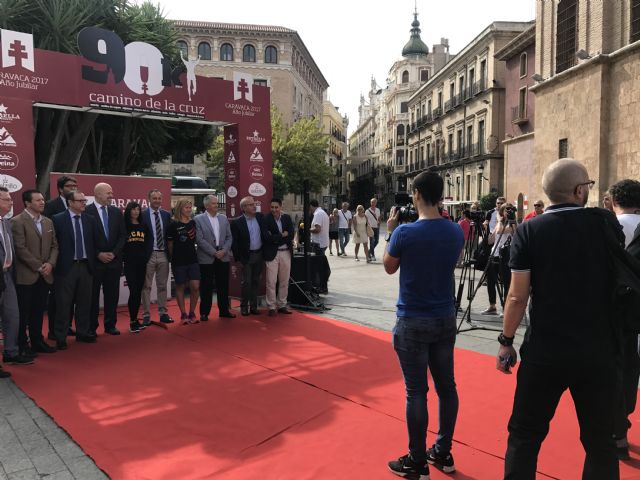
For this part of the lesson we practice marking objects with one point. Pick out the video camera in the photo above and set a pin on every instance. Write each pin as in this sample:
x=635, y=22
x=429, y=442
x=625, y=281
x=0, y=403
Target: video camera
x=510, y=213
x=407, y=213
x=478, y=217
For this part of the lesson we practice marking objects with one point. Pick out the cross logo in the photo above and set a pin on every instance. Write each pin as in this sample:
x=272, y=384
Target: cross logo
x=17, y=49
x=243, y=86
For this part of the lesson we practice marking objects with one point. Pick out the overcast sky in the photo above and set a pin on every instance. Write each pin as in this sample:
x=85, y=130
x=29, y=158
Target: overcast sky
x=351, y=40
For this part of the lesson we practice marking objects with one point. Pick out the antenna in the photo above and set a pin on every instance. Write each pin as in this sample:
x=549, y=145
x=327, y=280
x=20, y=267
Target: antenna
x=415, y=3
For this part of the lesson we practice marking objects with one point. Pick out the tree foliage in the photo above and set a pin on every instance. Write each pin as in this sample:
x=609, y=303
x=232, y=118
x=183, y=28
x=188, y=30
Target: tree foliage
x=488, y=201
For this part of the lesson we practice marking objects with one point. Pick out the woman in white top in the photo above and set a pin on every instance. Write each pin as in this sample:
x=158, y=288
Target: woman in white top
x=359, y=225
x=501, y=235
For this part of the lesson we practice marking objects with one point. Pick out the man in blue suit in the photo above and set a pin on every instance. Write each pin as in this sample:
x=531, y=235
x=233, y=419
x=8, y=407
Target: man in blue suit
x=157, y=221
x=77, y=235
x=213, y=236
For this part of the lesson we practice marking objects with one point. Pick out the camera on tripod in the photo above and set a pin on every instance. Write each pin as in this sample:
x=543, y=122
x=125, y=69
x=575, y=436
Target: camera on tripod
x=407, y=212
x=477, y=216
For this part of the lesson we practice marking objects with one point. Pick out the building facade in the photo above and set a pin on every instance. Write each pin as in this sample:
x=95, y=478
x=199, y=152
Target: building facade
x=587, y=98
x=457, y=119
x=334, y=126
x=519, y=58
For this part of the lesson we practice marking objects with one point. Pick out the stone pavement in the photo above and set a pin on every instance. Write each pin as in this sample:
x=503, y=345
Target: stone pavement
x=32, y=446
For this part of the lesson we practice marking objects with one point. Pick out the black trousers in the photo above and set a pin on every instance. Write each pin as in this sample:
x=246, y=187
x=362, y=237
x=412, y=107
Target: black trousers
x=628, y=376
x=76, y=284
x=593, y=387
x=251, y=272
x=135, y=271
x=32, y=301
x=214, y=275
x=106, y=277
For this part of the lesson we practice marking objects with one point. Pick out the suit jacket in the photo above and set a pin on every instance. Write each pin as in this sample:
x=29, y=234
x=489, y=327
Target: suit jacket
x=165, y=217
x=206, y=239
x=66, y=241
x=117, y=233
x=272, y=238
x=241, y=239
x=32, y=248
x=53, y=207
x=12, y=269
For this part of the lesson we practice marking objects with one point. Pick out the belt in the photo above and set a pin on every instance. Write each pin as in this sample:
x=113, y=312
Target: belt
x=159, y=251
x=83, y=260
x=281, y=249
x=255, y=251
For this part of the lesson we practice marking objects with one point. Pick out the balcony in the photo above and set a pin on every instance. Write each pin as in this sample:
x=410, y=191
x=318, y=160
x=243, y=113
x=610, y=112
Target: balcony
x=437, y=112
x=448, y=106
x=519, y=115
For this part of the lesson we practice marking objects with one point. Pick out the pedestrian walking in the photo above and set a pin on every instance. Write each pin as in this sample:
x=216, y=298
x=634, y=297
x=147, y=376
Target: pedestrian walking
x=361, y=233
x=334, y=233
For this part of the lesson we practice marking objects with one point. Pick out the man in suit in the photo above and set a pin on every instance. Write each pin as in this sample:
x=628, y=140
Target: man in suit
x=8, y=298
x=277, y=250
x=247, y=249
x=36, y=249
x=157, y=221
x=213, y=236
x=77, y=235
x=111, y=239
x=65, y=184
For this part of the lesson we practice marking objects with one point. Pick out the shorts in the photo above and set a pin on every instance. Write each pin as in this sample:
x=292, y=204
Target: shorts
x=185, y=273
x=333, y=235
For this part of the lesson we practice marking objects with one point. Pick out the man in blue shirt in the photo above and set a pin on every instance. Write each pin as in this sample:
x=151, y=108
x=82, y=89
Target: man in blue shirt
x=426, y=252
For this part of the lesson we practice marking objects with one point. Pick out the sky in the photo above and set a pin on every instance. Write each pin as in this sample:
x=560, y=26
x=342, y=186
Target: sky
x=353, y=40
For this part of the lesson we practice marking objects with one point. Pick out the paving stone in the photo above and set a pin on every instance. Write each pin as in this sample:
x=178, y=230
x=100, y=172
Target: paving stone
x=68, y=449
x=64, y=475
x=84, y=468
x=48, y=464
x=28, y=474
x=17, y=464
x=38, y=447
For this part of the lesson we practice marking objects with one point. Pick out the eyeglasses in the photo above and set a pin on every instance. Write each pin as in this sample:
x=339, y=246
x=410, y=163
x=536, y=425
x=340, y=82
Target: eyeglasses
x=591, y=183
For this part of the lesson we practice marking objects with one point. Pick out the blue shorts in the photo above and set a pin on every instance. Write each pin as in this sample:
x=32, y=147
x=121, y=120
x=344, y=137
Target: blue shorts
x=184, y=273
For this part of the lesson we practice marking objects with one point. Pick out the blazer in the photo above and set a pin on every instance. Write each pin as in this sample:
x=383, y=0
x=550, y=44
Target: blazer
x=32, y=248
x=165, y=217
x=54, y=206
x=272, y=238
x=12, y=269
x=66, y=241
x=241, y=239
x=117, y=232
x=206, y=240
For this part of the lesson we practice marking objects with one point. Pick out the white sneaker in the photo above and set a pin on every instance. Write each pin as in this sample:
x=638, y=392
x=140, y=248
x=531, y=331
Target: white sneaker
x=489, y=311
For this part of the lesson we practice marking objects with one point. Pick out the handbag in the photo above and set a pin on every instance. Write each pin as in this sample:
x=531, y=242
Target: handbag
x=369, y=229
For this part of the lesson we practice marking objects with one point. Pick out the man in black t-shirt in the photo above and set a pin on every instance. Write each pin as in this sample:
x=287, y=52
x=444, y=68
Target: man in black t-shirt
x=561, y=258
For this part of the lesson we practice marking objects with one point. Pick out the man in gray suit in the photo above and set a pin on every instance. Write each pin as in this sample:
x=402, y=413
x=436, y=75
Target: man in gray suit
x=9, y=300
x=213, y=236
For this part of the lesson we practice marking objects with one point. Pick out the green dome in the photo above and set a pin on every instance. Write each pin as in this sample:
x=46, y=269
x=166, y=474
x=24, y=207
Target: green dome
x=415, y=45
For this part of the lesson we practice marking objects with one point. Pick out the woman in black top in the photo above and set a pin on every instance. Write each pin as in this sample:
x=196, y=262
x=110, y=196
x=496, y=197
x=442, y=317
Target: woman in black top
x=181, y=241
x=135, y=257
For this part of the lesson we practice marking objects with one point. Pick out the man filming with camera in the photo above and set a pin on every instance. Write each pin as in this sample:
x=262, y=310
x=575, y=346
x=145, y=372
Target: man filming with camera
x=425, y=252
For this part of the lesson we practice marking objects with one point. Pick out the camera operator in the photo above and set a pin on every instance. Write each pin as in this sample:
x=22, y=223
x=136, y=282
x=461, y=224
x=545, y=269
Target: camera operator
x=505, y=223
x=424, y=335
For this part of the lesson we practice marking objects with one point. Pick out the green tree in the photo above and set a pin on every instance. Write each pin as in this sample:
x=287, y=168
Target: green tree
x=488, y=201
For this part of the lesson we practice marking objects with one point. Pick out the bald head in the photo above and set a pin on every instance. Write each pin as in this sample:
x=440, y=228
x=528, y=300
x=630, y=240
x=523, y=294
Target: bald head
x=561, y=178
x=103, y=193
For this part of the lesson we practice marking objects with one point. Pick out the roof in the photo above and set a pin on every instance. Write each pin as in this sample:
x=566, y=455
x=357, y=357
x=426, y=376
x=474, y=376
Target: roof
x=415, y=45
x=515, y=46
x=232, y=26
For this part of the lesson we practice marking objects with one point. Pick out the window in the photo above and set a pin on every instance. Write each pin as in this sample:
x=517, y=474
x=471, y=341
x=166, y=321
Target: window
x=467, y=188
x=522, y=105
x=635, y=20
x=249, y=53
x=461, y=86
x=183, y=47
x=481, y=137
x=440, y=100
x=262, y=83
x=469, y=140
x=523, y=65
x=450, y=144
x=479, y=184
x=460, y=143
x=424, y=75
x=566, y=35
x=472, y=80
x=226, y=52
x=405, y=77
x=563, y=148
x=452, y=91
x=483, y=75
x=204, y=51
x=271, y=54
x=404, y=108
x=429, y=107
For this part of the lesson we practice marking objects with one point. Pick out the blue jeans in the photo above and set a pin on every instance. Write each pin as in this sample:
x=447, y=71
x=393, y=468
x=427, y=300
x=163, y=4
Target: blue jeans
x=373, y=242
x=421, y=344
x=343, y=235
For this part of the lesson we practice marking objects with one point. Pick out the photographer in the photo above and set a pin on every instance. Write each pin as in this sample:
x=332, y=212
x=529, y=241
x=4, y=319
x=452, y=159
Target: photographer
x=426, y=252
x=505, y=222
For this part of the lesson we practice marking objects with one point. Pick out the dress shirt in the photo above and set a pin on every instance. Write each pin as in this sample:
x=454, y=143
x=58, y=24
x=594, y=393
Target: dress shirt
x=37, y=220
x=215, y=225
x=279, y=224
x=255, y=242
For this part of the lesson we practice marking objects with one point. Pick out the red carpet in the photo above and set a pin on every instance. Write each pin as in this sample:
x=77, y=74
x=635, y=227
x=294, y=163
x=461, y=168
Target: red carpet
x=286, y=397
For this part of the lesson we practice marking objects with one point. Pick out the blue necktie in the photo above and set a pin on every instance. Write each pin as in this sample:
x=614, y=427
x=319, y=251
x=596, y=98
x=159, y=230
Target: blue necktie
x=105, y=222
x=79, y=243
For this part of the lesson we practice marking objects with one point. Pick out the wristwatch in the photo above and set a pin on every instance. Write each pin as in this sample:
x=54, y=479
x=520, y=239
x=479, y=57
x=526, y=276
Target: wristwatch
x=505, y=341
x=387, y=237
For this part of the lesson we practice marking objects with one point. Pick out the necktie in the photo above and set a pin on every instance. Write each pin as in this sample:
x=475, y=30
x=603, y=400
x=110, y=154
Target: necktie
x=105, y=222
x=8, y=258
x=159, y=239
x=78, y=235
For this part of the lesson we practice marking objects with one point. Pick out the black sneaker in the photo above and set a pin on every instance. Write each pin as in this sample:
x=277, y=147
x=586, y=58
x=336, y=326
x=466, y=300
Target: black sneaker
x=134, y=327
x=405, y=467
x=146, y=321
x=17, y=360
x=441, y=462
x=165, y=318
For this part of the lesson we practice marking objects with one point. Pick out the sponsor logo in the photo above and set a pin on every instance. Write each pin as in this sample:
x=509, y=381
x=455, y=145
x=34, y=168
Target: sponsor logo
x=6, y=140
x=257, y=189
x=232, y=174
x=8, y=160
x=231, y=158
x=256, y=156
x=230, y=140
x=256, y=171
x=232, y=209
x=10, y=183
x=7, y=117
x=256, y=139
x=17, y=50
x=232, y=192
x=242, y=86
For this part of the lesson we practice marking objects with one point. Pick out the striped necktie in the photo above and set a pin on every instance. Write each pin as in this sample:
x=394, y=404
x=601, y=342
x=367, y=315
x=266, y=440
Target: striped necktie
x=159, y=239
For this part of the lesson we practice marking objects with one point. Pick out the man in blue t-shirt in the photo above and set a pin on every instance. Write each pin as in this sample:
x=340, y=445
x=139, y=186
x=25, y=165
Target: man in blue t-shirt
x=426, y=252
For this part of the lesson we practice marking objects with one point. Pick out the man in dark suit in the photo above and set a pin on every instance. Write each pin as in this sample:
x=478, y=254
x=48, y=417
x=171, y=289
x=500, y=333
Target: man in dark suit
x=247, y=249
x=77, y=235
x=277, y=250
x=157, y=221
x=111, y=239
x=65, y=184
x=213, y=236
